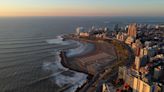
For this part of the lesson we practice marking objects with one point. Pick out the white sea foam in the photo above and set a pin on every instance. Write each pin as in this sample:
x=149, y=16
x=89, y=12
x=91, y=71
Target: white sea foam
x=76, y=51
x=59, y=40
x=72, y=78
x=80, y=80
x=55, y=66
x=76, y=80
x=82, y=48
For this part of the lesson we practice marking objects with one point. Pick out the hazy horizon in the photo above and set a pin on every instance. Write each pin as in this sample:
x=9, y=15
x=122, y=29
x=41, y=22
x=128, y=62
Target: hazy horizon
x=134, y=8
x=88, y=16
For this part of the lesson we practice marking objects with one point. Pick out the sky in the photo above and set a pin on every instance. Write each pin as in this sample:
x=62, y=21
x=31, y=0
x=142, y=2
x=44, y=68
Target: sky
x=82, y=8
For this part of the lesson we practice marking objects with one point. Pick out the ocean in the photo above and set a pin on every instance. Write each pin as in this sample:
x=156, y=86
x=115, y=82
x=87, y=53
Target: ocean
x=29, y=59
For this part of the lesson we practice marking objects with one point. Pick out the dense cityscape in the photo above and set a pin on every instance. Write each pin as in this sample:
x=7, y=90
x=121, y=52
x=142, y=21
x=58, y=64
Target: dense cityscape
x=81, y=45
x=143, y=73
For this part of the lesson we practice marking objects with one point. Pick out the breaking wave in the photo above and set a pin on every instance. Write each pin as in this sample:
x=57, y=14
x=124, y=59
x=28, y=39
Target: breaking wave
x=82, y=49
x=63, y=77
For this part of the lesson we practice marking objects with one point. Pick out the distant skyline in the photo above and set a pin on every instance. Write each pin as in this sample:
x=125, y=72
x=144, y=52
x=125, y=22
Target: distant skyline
x=82, y=8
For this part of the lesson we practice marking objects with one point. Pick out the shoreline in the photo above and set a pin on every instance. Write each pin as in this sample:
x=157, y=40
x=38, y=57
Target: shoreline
x=76, y=83
x=91, y=77
x=69, y=79
x=103, y=46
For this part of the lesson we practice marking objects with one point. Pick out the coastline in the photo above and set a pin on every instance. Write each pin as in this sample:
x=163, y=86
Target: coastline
x=94, y=77
x=65, y=62
x=67, y=79
x=67, y=74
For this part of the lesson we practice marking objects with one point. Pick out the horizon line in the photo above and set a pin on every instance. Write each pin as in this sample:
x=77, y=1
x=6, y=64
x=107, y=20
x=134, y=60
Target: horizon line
x=86, y=16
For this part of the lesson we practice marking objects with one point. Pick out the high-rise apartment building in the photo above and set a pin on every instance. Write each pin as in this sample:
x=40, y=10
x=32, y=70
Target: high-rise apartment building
x=132, y=30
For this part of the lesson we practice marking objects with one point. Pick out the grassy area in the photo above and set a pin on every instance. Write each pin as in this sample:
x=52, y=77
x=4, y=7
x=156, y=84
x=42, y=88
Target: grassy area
x=122, y=52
